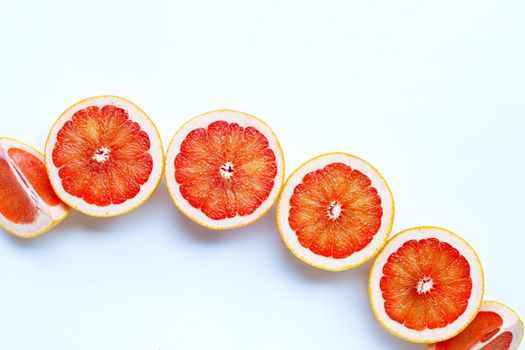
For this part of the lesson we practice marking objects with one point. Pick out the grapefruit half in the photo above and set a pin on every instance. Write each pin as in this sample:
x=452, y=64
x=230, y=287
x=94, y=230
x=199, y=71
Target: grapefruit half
x=224, y=169
x=28, y=204
x=104, y=156
x=426, y=285
x=496, y=327
x=335, y=212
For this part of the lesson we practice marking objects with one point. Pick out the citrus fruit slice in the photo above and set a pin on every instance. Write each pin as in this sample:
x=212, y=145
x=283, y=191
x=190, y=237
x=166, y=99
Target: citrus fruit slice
x=104, y=156
x=335, y=212
x=28, y=205
x=426, y=285
x=496, y=327
x=224, y=169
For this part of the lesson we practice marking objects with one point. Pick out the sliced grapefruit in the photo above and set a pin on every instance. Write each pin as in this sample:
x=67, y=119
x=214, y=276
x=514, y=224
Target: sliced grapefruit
x=104, y=156
x=224, y=169
x=496, y=327
x=426, y=285
x=28, y=204
x=335, y=212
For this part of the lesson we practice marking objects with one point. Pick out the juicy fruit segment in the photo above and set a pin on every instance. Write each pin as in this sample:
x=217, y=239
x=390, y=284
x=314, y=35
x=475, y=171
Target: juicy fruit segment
x=335, y=211
x=225, y=169
x=28, y=205
x=15, y=204
x=102, y=155
x=496, y=327
x=426, y=284
x=502, y=342
x=34, y=171
x=481, y=329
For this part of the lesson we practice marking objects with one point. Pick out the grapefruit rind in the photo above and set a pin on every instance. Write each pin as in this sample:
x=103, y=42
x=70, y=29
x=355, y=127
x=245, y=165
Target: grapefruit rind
x=507, y=314
x=202, y=121
x=49, y=216
x=511, y=322
x=427, y=336
x=289, y=237
x=137, y=115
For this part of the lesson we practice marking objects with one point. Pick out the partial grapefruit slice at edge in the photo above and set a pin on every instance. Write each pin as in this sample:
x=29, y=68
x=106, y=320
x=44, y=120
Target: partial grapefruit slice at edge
x=426, y=285
x=224, y=169
x=104, y=156
x=343, y=191
x=29, y=206
x=500, y=327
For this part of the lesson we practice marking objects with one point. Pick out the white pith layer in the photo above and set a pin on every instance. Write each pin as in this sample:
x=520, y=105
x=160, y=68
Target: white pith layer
x=377, y=181
x=156, y=151
x=47, y=215
x=427, y=335
x=511, y=323
x=203, y=121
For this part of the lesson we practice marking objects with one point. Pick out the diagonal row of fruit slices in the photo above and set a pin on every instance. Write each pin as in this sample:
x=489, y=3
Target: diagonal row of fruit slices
x=28, y=205
x=426, y=284
x=225, y=169
x=104, y=157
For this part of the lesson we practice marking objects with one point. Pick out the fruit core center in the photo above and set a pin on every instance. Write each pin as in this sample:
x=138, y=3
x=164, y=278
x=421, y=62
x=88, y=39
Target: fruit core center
x=226, y=170
x=424, y=285
x=101, y=155
x=334, y=210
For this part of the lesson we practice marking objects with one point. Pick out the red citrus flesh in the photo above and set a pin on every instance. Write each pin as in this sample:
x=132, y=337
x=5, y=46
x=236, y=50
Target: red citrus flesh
x=102, y=155
x=15, y=203
x=502, y=342
x=426, y=284
x=484, y=327
x=225, y=169
x=34, y=171
x=335, y=211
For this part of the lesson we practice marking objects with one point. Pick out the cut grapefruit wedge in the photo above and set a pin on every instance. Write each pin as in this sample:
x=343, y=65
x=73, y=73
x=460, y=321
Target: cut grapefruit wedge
x=224, y=169
x=28, y=204
x=426, y=285
x=335, y=212
x=104, y=156
x=496, y=327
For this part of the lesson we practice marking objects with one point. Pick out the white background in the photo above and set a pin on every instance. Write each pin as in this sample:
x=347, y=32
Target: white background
x=431, y=93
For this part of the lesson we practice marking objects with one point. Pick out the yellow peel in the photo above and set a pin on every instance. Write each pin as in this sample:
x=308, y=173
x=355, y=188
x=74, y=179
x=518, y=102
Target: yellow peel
x=53, y=223
x=161, y=150
x=220, y=228
x=324, y=267
x=374, y=310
